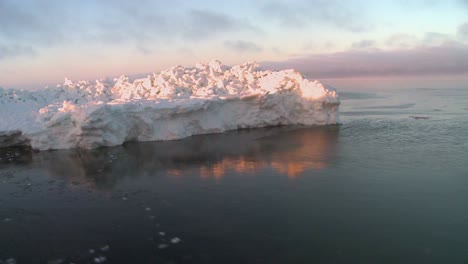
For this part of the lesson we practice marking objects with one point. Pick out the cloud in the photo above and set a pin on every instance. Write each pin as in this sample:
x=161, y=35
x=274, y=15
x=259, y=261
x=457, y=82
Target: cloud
x=142, y=25
x=417, y=5
x=302, y=13
x=402, y=40
x=434, y=38
x=15, y=51
x=406, y=41
x=242, y=46
x=286, y=15
x=449, y=58
x=122, y=22
x=204, y=24
x=50, y=23
x=363, y=44
x=277, y=50
x=34, y=22
x=463, y=31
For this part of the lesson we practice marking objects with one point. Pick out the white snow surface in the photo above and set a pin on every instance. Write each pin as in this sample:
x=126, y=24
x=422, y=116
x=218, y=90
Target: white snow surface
x=172, y=104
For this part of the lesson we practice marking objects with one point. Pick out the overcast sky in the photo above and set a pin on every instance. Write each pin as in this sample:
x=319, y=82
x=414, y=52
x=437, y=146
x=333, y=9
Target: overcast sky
x=42, y=41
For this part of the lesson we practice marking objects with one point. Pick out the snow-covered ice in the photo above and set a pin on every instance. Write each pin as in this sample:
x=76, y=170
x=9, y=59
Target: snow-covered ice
x=172, y=104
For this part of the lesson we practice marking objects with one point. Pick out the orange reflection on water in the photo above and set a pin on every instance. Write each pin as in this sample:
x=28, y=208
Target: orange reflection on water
x=175, y=173
x=286, y=151
x=240, y=165
x=311, y=153
x=291, y=155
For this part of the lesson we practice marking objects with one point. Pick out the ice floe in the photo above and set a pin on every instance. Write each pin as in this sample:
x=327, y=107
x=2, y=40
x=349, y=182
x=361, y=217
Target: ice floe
x=171, y=104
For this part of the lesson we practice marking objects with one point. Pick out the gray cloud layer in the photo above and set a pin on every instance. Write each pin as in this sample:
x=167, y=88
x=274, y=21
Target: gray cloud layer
x=463, y=31
x=15, y=51
x=38, y=25
x=242, y=46
x=450, y=58
x=48, y=23
x=298, y=13
x=141, y=25
x=363, y=44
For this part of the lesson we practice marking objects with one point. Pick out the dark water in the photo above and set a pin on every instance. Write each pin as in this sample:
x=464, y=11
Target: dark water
x=389, y=185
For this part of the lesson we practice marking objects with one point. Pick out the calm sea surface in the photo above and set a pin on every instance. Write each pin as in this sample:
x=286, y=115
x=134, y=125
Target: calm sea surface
x=388, y=185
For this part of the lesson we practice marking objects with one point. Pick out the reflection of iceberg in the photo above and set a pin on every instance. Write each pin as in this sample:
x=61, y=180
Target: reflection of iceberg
x=289, y=151
x=172, y=104
x=312, y=152
x=290, y=154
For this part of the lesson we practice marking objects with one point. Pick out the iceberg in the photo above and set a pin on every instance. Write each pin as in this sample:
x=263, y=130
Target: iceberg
x=168, y=105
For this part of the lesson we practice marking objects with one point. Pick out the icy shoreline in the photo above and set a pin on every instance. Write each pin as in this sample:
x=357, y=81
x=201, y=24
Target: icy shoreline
x=172, y=104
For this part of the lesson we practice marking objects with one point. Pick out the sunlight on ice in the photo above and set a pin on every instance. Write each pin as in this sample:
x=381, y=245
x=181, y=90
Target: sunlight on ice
x=172, y=104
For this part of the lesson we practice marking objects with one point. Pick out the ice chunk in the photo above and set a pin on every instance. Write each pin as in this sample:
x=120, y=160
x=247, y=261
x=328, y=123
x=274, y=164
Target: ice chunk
x=163, y=246
x=175, y=240
x=9, y=261
x=100, y=259
x=105, y=248
x=171, y=104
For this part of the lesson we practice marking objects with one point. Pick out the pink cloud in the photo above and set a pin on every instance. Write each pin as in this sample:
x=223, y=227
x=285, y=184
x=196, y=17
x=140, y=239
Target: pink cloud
x=449, y=58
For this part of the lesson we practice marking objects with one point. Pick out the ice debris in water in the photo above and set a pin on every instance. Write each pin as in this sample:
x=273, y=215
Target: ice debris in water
x=105, y=248
x=55, y=261
x=175, y=240
x=9, y=261
x=163, y=246
x=171, y=104
x=100, y=259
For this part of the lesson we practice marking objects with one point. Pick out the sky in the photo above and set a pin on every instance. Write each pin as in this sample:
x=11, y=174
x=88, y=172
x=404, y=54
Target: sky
x=41, y=42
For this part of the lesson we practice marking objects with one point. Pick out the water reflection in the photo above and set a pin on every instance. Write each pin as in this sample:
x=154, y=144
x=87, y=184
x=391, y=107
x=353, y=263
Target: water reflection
x=289, y=151
x=15, y=156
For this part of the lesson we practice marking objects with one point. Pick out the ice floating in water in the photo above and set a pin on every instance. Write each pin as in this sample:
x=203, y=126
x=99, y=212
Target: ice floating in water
x=9, y=261
x=175, y=240
x=171, y=104
x=163, y=246
x=105, y=248
x=100, y=259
